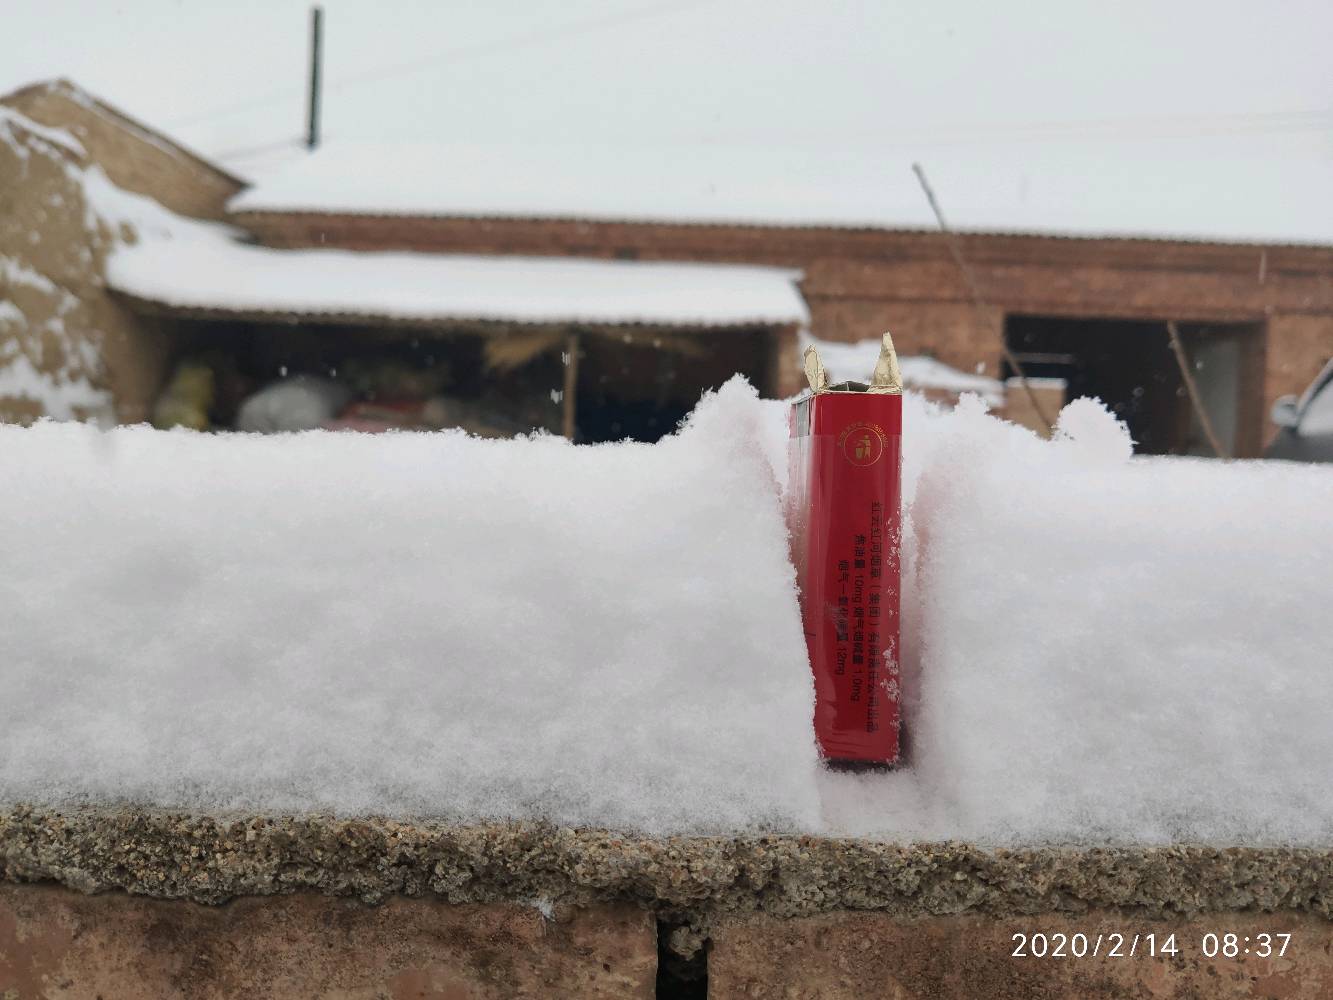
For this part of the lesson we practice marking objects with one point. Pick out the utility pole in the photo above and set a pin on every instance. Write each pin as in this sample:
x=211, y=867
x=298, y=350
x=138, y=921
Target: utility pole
x=316, y=57
x=984, y=316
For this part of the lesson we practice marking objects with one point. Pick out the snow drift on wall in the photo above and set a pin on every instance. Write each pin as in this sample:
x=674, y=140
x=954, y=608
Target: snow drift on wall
x=1108, y=648
x=409, y=623
x=1101, y=648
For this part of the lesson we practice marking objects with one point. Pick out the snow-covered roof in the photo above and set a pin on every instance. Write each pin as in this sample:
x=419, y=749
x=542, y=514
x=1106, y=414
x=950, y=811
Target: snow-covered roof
x=229, y=277
x=189, y=265
x=1177, y=193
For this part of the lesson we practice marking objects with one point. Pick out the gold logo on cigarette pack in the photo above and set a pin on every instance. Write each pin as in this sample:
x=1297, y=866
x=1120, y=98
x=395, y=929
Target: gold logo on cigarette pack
x=862, y=443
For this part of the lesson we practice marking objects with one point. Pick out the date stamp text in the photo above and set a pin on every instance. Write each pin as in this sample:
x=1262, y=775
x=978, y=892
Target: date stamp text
x=1129, y=944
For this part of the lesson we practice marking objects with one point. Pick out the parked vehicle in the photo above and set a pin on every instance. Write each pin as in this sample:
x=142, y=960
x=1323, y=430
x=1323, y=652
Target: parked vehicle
x=1307, y=423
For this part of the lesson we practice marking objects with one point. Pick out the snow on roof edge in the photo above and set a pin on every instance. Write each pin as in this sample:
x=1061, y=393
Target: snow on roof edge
x=341, y=317
x=186, y=264
x=216, y=275
x=717, y=222
x=235, y=279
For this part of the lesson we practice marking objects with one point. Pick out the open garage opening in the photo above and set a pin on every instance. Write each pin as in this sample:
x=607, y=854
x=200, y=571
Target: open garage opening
x=641, y=383
x=1128, y=364
x=590, y=383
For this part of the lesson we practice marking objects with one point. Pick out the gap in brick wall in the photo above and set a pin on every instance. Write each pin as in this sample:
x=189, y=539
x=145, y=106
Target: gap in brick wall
x=680, y=978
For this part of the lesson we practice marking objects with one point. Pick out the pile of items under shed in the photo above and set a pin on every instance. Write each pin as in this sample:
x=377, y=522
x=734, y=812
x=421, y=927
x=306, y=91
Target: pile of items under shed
x=409, y=386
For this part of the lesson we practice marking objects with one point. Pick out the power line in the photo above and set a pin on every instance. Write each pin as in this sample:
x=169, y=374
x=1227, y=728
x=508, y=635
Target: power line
x=1092, y=130
x=245, y=152
x=1155, y=126
x=985, y=316
x=1097, y=130
x=263, y=101
x=457, y=54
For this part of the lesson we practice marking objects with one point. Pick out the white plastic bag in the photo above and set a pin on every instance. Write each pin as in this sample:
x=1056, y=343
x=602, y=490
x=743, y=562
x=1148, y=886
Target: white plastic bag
x=300, y=403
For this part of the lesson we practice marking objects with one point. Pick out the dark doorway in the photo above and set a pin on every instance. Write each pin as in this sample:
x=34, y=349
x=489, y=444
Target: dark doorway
x=640, y=384
x=632, y=383
x=1129, y=366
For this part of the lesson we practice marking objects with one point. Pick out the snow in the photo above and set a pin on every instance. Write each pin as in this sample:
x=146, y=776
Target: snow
x=410, y=623
x=1172, y=193
x=15, y=272
x=188, y=264
x=1014, y=383
x=230, y=277
x=13, y=122
x=61, y=397
x=1107, y=648
x=855, y=361
x=1100, y=648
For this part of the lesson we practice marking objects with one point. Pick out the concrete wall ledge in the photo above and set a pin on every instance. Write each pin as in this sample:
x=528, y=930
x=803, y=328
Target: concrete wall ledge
x=769, y=913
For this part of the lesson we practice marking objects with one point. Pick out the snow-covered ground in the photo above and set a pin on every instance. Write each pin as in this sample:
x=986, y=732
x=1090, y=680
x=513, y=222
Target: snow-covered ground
x=1102, y=648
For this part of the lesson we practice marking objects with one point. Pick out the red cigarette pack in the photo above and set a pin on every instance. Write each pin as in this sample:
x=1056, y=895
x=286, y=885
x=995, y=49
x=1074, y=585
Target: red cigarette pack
x=844, y=513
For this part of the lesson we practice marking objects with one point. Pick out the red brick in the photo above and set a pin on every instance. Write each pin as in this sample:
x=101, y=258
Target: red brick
x=873, y=956
x=56, y=943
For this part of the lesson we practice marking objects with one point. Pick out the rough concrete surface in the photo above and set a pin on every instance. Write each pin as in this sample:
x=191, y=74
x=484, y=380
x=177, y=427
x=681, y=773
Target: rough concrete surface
x=55, y=943
x=687, y=882
x=858, y=956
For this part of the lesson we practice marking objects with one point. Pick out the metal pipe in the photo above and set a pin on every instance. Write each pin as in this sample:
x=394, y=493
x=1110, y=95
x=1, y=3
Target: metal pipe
x=569, y=425
x=316, y=57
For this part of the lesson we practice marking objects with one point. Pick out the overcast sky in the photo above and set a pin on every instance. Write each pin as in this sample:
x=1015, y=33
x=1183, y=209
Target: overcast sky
x=227, y=75
x=948, y=81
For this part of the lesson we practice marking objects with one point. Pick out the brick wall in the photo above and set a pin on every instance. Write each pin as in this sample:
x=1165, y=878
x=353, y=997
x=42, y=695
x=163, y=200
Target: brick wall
x=64, y=324
x=860, y=282
x=134, y=157
x=57, y=943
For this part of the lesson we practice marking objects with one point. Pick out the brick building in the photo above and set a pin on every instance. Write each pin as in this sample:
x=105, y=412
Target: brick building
x=124, y=283
x=1257, y=317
